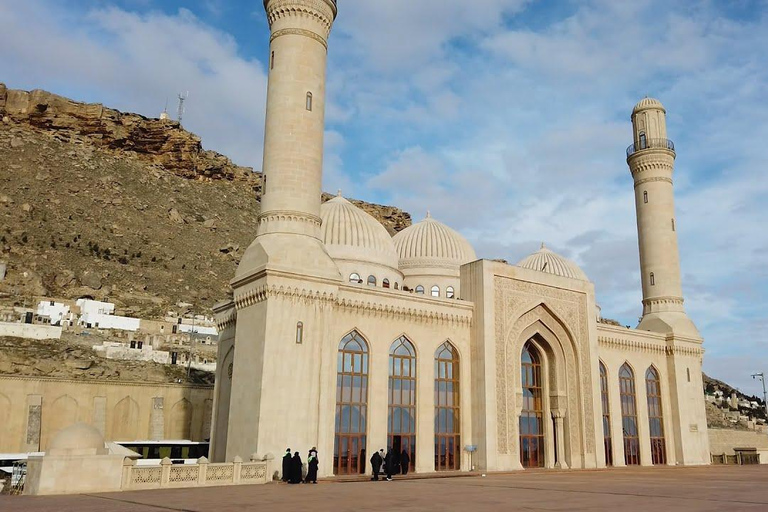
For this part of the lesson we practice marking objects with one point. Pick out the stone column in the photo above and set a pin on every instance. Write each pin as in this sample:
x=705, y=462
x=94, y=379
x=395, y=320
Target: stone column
x=558, y=416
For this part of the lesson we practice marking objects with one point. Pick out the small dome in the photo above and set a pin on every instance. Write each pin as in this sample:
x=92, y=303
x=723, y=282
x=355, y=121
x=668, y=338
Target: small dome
x=430, y=242
x=351, y=234
x=79, y=437
x=549, y=262
x=647, y=103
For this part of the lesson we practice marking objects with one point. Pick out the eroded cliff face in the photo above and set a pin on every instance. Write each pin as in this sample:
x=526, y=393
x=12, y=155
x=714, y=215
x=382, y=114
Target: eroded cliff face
x=161, y=142
x=131, y=210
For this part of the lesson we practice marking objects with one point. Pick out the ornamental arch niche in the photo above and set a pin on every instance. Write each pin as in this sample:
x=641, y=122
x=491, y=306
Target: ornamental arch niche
x=125, y=420
x=564, y=400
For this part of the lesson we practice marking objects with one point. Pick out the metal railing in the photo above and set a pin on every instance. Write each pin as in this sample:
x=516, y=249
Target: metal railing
x=650, y=144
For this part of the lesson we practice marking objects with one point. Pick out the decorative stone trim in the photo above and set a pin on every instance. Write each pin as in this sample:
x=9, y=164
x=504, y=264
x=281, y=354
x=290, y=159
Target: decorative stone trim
x=647, y=180
x=193, y=475
x=289, y=216
x=655, y=301
x=431, y=263
x=649, y=347
x=652, y=165
x=101, y=381
x=299, y=32
x=423, y=315
x=322, y=11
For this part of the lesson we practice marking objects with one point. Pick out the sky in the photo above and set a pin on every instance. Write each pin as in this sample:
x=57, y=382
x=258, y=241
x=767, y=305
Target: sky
x=507, y=119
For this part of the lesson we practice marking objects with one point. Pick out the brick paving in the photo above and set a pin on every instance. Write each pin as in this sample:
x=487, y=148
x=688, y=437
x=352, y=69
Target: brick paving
x=716, y=488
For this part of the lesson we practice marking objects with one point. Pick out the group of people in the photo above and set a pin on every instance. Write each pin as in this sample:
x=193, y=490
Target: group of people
x=293, y=467
x=392, y=463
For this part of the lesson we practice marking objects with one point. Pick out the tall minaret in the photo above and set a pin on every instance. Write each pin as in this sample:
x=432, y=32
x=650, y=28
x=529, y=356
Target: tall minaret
x=289, y=223
x=651, y=159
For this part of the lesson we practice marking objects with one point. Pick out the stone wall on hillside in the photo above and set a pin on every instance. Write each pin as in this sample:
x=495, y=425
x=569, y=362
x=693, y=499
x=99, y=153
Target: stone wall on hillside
x=724, y=441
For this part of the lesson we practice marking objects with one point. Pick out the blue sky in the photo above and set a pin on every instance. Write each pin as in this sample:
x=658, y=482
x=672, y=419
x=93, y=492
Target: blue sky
x=508, y=119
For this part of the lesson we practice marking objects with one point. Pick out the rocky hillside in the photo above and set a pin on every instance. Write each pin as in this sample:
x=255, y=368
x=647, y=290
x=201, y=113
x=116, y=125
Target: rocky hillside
x=95, y=202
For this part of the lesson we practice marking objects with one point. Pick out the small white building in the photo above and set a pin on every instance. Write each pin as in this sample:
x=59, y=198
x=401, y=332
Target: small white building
x=57, y=312
x=101, y=315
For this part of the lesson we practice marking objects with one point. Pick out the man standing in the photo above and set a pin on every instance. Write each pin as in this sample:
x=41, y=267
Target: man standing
x=287, y=465
x=376, y=461
x=389, y=462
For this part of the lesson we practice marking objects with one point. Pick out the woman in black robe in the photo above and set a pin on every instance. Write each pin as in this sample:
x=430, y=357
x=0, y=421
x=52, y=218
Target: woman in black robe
x=405, y=462
x=312, y=464
x=296, y=469
x=286, y=465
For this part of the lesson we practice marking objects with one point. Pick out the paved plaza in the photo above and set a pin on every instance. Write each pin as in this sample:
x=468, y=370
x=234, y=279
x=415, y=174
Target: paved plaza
x=714, y=488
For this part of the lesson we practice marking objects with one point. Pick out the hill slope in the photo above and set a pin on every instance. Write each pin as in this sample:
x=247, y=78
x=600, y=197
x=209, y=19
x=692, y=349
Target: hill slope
x=95, y=202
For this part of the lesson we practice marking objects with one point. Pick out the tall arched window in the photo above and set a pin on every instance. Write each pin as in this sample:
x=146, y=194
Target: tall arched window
x=532, y=415
x=420, y=289
x=655, y=416
x=355, y=278
x=653, y=279
x=385, y=283
x=309, y=101
x=643, y=141
x=447, y=408
x=371, y=280
x=629, y=416
x=450, y=292
x=606, y=415
x=349, y=454
x=435, y=291
x=401, y=417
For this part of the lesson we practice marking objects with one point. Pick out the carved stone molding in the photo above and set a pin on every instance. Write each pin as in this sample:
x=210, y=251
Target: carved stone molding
x=288, y=216
x=656, y=301
x=648, y=347
x=299, y=32
x=323, y=11
x=648, y=180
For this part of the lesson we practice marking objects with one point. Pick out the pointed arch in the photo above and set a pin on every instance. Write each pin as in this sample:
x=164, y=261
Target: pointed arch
x=655, y=416
x=5, y=411
x=401, y=417
x=181, y=420
x=629, y=415
x=351, y=418
x=447, y=408
x=532, y=413
x=62, y=414
x=125, y=420
x=606, y=409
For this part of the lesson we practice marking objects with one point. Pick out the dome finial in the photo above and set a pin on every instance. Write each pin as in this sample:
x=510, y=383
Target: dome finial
x=429, y=214
x=543, y=245
x=338, y=193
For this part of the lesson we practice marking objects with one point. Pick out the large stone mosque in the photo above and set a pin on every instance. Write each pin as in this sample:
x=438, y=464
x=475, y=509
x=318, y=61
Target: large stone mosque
x=342, y=337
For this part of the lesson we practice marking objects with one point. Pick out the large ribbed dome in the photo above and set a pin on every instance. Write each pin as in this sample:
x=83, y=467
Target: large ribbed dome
x=646, y=103
x=430, y=241
x=351, y=234
x=549, y=262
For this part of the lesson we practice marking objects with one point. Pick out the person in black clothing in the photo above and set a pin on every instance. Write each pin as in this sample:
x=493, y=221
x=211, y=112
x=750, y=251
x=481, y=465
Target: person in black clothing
x=405, y=462
x=287, y=465
x=389, y=462
x=376, y=462
x=296, y=469
x=312, y=467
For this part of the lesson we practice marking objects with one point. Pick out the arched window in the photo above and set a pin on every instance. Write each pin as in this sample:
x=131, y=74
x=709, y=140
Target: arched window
x=447, y=409
x=349, y=453
x=673, y=224
x=385, y=283
x=655, y=416
x=643, y=141
x=397, y=286
x=629, y=416
x=309, y=101
x=272, y=61
x=450, y=292
x=355, y=278
x=653, y=279
x=401, y=417
x=420, y=289
x=606, y=415
x=645, y=196
x=371, y=280
x=300, y=332
x=532, y=415
x=435, y=291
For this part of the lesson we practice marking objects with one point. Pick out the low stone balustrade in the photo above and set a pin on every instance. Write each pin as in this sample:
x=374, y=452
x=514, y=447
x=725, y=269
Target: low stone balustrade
x=202, y=473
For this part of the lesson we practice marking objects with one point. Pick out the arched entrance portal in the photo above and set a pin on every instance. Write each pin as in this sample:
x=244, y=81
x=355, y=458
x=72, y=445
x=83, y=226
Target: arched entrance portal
x=532, y=414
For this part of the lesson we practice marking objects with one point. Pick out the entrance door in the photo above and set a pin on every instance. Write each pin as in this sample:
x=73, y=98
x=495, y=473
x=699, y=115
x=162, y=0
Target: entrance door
x=531, y=417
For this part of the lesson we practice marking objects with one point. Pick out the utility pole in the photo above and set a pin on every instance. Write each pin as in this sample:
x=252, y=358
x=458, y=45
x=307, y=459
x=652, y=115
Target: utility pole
x=765, y=395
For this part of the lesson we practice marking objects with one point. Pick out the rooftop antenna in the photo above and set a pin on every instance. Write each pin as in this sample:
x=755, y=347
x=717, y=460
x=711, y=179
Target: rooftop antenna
x=182, y=98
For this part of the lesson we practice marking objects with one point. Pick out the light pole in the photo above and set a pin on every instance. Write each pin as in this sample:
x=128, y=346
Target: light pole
x=765, y=395
x=189, y=353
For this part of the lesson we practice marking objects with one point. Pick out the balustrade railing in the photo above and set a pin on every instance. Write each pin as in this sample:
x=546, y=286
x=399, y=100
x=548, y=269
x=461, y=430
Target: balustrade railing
x=650, y=144
x=201, y=473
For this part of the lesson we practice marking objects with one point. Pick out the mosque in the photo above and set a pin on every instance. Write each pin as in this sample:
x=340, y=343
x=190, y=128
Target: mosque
x=343, y=337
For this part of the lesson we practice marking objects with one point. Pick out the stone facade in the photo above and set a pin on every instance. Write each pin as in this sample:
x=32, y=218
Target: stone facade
x=588, y=392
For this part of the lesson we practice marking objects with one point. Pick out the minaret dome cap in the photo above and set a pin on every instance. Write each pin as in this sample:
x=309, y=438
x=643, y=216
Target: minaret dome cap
x=648, y=103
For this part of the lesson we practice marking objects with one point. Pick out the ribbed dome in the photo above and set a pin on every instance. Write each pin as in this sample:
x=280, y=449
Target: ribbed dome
x=432, y=241
x=549, y=262
x=647, y=103
x=349, y=233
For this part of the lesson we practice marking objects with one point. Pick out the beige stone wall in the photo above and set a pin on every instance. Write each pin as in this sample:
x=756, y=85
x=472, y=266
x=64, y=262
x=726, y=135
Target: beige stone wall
x=34, y=409
x=723, y=441
x=31, y=331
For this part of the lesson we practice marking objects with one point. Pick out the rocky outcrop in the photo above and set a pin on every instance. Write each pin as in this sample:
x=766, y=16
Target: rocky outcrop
x=161, y=142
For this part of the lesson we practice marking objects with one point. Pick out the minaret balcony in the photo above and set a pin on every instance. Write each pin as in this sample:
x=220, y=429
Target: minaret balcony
x=644, y=144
